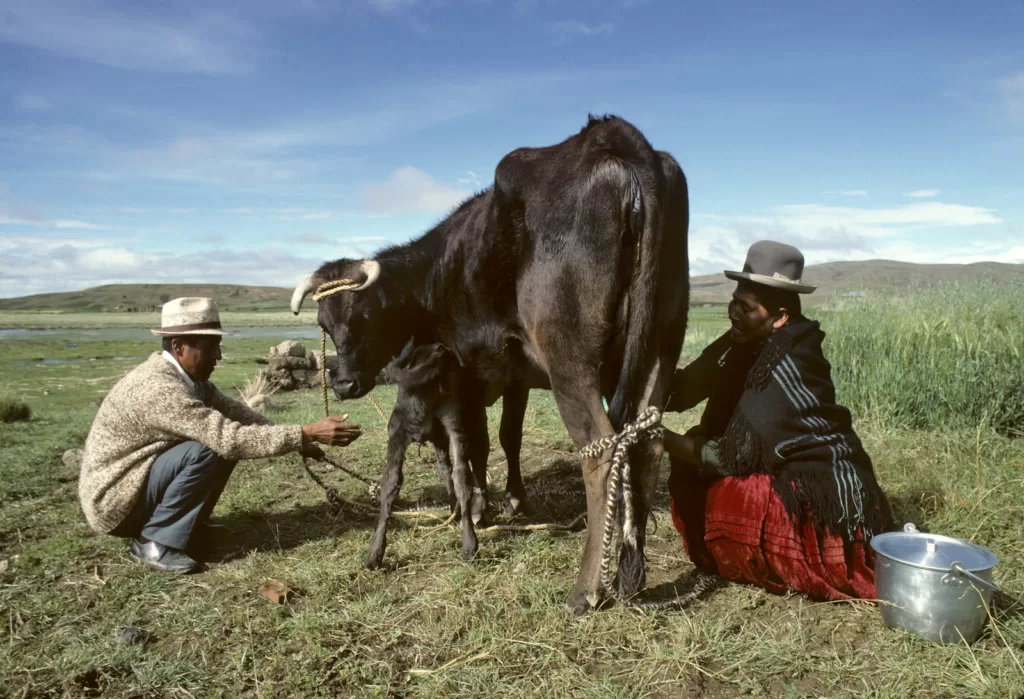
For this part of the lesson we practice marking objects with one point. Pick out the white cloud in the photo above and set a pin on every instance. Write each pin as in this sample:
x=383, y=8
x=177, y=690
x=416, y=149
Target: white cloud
x=81, y=225
x=29, y=102
x=471, y=180
x=853, y=193
x=823, y=233
x=572, y=29
x=923, y=193
x=178, y=211
x=31, y=266
x=410, y=191
x=109, y=260
x=131, y=36
x=812, y=219
x=35, y=218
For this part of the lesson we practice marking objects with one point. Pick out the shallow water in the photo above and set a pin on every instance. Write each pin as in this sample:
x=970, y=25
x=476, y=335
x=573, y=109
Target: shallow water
x=57, y=362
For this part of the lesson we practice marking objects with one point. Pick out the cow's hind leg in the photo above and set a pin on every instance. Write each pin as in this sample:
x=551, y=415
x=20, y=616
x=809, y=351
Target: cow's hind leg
x=390, y=485
x=644, y=459
x=513, y=411
x=585, y=418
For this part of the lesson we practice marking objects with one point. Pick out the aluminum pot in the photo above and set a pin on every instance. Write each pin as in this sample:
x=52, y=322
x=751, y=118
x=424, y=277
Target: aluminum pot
x=937, y=586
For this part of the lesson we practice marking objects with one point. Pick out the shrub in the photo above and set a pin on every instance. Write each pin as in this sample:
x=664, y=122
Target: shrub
x=14, y=410
x=943, y=357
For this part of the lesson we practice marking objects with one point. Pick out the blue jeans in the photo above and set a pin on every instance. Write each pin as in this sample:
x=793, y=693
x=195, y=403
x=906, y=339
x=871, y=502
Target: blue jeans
x=183, y=485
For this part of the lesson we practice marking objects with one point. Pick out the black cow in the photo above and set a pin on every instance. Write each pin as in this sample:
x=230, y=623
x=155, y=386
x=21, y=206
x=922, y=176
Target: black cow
x=570, y=273
x=427, y=410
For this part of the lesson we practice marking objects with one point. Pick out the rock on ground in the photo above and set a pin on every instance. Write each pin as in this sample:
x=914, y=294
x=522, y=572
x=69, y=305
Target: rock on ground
x=288, y=348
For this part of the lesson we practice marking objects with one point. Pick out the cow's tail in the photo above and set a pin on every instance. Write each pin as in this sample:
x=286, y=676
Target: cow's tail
x=645, y=218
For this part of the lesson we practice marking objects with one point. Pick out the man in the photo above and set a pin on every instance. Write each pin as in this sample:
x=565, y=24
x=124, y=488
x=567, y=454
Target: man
x=773, y=487
x=165, y=440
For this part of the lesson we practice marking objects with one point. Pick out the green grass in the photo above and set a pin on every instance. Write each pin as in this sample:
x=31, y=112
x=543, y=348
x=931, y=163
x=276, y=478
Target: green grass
x=14, y=410
x=951, y=357
x=126, y=298
x=430, y=624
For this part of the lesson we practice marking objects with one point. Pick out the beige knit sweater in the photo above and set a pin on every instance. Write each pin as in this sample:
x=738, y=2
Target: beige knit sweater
x=149, y=411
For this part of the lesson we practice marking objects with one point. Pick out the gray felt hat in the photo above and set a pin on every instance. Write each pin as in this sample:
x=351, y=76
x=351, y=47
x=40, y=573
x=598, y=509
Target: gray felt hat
x=774, y=264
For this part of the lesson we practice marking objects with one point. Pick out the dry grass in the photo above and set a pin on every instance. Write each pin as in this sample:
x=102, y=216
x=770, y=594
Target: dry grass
x=429, y=624
x=256, y=391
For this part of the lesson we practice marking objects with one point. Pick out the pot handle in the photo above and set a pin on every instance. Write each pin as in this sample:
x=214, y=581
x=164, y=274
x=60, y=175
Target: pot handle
x=958, y=568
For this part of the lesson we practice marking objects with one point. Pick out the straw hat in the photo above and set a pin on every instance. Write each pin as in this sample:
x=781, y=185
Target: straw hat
x=191, y=315
x=774, y=264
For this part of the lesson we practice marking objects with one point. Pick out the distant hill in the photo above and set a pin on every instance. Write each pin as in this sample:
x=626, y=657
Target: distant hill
x=869, y=277
x=120, y=298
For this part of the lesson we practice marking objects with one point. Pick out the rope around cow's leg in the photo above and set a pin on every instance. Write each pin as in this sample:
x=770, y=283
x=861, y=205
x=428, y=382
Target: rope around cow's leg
x=618, y=483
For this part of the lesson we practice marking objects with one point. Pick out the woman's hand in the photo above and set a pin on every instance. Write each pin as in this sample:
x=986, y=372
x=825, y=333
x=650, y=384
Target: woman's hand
x=682, y=447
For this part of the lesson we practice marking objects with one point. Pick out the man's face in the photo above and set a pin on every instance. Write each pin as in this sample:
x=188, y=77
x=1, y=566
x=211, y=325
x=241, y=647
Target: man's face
x=750, y=320
x=199, y=356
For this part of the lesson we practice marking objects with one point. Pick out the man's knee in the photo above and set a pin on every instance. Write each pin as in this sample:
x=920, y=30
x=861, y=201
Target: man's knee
x=202, y=456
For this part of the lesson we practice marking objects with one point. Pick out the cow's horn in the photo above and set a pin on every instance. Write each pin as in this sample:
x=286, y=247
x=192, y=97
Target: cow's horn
x=371, y=268
x=301, y=292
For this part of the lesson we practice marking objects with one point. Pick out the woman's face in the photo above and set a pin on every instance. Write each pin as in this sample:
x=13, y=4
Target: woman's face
x=750, y=320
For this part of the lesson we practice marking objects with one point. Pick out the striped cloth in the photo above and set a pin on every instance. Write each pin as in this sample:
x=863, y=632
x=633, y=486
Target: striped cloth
x=772, y=410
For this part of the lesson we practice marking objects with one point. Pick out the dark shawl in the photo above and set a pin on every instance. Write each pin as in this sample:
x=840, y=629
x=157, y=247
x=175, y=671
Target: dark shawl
x=773, y=410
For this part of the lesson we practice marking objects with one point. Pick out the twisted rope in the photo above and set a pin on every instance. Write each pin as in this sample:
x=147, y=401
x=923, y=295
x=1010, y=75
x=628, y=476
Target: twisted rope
x=333, y=497
x=647, y=425
x=619, y=482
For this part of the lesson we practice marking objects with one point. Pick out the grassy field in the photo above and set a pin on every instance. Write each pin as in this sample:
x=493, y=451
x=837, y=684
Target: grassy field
x=122, y=297
x=429, y=624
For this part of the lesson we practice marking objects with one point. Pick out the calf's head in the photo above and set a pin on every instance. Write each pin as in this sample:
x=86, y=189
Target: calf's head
x=365, y=329
x=421, y=366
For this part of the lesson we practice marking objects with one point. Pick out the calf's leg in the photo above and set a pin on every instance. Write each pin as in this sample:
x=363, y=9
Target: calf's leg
x=443, y=463
x=513, y=411
x=462, y=481
x=390, y=485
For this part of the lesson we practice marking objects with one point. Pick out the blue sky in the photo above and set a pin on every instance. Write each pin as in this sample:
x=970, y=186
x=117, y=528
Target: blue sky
x=247, y=141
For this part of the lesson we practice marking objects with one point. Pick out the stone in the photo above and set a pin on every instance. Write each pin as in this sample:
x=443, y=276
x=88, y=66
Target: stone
x=288, y=348
x=288, y=363
x=276, y=591
x=72, y=459
x=131, y=636
x=299, y=375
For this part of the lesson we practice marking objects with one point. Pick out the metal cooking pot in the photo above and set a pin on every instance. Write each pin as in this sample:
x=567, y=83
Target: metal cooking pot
x=937, y=586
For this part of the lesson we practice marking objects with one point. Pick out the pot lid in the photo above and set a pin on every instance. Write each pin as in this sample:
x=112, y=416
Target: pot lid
x=932, y=551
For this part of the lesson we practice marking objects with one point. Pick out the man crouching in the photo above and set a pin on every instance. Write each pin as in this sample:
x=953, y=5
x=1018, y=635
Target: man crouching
x=165, y=440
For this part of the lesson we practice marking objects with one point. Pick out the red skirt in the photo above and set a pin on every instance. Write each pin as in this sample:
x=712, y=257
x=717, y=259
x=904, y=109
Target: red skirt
x=738, y=528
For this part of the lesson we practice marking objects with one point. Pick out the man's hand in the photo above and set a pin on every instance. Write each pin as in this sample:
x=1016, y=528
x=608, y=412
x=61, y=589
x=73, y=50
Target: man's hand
x=332, y=430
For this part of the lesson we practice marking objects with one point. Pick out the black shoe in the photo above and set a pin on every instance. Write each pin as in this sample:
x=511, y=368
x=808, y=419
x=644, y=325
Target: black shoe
x=162, y=558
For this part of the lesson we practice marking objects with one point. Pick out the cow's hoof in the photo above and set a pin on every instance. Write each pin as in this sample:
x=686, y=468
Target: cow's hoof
x=479, y=506
x=579, y=602
x=514, y=505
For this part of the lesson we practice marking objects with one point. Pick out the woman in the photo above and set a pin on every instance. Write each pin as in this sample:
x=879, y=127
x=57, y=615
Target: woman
x=773, y=487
